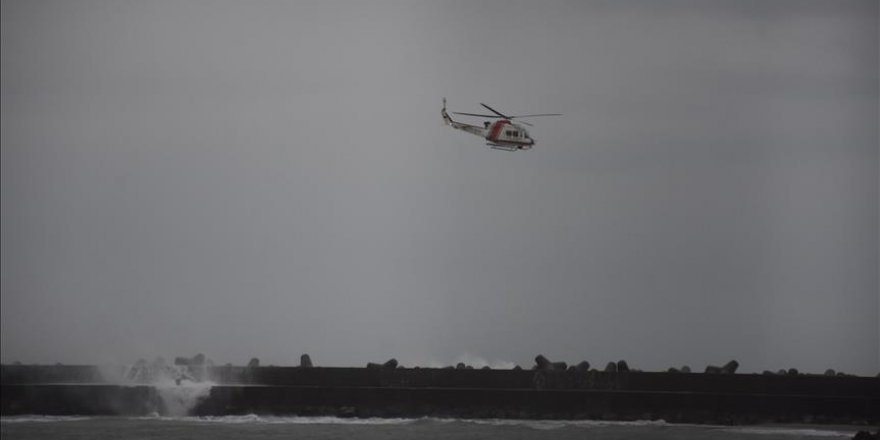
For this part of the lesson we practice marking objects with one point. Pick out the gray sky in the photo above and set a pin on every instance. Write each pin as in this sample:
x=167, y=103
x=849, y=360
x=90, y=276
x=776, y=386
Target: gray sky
x=273, y=178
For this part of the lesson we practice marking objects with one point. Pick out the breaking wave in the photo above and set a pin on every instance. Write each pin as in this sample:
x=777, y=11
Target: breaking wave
x=800, y=432
x=281, y=420
x=545, y=425
x=542, y=425
x=33, y=418
x=330, y=420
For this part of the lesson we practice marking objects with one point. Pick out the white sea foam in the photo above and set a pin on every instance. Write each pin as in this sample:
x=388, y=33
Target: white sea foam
x=557, y=424
x=329, y=420
x=800, y=432
x=281, y=420
x=543, y=425
x=33, y=418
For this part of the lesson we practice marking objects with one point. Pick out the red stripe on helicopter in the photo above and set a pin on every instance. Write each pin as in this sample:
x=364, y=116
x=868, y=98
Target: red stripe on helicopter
x=496, y=130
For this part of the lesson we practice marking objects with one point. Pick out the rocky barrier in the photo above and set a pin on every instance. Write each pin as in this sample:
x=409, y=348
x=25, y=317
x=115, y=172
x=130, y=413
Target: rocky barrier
x=548, y=391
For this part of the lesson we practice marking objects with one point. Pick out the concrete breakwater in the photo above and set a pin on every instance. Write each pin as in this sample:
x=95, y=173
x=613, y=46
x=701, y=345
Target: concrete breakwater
x=466, y=393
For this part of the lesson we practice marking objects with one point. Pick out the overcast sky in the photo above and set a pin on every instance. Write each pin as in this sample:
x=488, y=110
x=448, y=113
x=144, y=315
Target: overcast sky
x=273, y=178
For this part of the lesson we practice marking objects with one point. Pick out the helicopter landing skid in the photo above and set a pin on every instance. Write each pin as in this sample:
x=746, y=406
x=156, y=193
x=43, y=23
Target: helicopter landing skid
x=503, y=147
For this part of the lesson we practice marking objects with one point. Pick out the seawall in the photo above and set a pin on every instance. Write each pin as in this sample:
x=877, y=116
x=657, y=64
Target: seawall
x=417, y=392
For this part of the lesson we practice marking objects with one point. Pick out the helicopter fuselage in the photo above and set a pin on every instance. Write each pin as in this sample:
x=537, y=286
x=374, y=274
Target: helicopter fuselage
x=503, y=133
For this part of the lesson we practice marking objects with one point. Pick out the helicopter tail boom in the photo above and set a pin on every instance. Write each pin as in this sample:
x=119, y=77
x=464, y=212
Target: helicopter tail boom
x=472, y=129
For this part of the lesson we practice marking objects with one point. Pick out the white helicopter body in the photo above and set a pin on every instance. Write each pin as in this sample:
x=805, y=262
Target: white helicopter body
x=503, y=134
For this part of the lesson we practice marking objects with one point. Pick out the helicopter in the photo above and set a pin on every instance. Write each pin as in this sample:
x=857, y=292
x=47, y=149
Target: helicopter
x=502, y=134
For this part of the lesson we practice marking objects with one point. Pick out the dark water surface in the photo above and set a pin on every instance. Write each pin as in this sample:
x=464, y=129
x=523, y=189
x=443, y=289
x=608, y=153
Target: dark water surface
x=255, y=427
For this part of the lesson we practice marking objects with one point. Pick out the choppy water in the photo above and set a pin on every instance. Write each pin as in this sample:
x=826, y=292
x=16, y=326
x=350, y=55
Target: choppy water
x=257, y=427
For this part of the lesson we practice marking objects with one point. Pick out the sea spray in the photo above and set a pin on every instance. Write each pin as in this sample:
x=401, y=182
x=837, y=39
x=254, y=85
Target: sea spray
x=179, y=398
x=179, y=387
x=480, y=362
x=472, y=360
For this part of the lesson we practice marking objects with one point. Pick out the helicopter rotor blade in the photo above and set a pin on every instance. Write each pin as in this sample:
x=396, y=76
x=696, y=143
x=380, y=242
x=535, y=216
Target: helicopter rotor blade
x=524, y=123
x=495, y=111
x=475, y=114
x=535, y=116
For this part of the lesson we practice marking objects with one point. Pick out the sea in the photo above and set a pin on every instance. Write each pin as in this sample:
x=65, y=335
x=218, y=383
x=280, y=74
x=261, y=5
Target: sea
x=264, y=427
